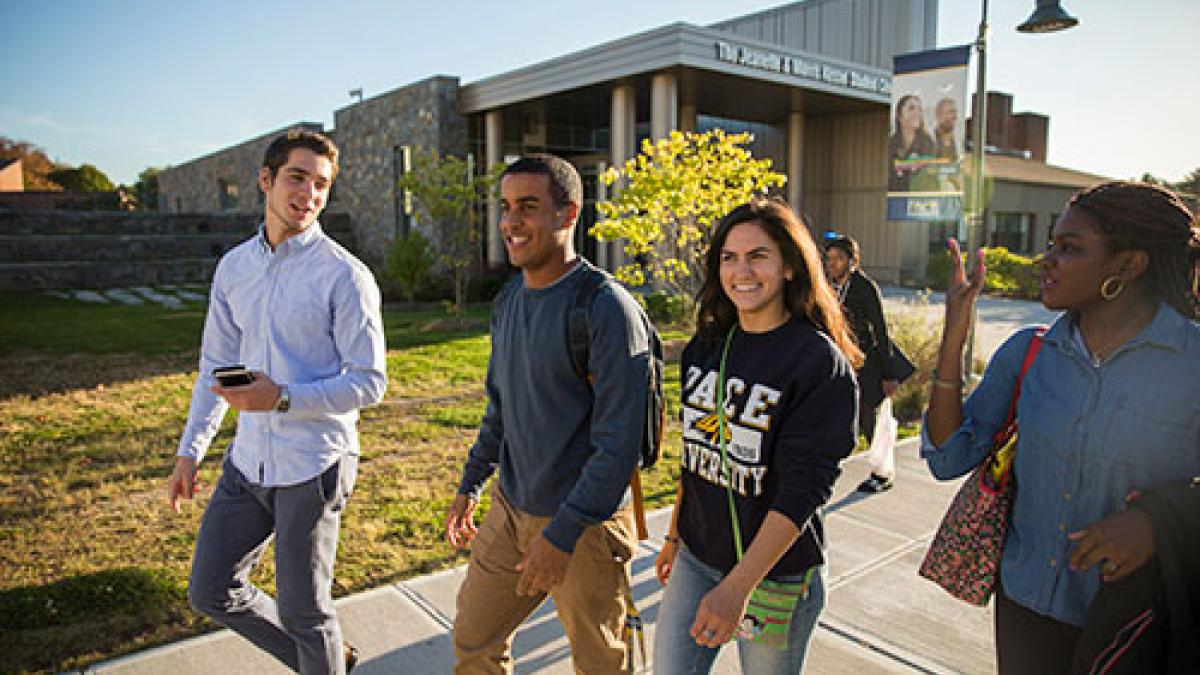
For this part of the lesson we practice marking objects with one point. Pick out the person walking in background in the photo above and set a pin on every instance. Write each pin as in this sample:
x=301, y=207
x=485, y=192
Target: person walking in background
x=561, y=522
x=1109, y=408
x=304, y=316
x=863, y=306
x=768, y=413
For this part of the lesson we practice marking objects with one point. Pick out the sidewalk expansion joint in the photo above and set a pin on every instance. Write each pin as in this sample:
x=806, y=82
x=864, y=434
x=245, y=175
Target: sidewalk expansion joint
x=876, y=563
x=424, y=605
x=879, y=646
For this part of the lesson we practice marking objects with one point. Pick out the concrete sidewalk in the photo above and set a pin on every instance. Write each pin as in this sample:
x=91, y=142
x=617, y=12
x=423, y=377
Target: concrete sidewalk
x=880, y=617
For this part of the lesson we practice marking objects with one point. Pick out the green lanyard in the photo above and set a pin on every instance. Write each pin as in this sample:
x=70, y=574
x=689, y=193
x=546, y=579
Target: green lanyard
x=726, y=467
x=797, y=589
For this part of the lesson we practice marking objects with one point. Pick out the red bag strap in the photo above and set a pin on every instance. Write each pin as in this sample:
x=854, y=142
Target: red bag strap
x=1035, y=345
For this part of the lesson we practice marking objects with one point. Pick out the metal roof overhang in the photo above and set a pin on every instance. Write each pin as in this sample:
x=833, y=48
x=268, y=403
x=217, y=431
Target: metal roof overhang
x=727, y=73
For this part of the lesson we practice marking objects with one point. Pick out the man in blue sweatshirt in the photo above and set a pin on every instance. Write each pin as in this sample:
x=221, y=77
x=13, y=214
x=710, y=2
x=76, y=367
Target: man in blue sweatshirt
x=561, y=521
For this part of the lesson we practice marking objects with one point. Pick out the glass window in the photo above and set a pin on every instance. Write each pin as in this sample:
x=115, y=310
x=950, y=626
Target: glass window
x=1011, y=231
x=227, y=195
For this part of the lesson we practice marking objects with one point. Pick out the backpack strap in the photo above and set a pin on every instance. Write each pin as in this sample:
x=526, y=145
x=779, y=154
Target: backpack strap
x=577, y=320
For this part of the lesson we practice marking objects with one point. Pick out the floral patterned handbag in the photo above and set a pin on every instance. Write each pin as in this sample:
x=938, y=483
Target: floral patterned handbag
x=964, y=557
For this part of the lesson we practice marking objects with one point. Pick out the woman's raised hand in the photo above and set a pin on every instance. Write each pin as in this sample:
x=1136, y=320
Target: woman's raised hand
x=961, y=293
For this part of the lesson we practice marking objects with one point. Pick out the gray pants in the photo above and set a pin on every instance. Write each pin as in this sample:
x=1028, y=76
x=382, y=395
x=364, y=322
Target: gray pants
x=301, y=628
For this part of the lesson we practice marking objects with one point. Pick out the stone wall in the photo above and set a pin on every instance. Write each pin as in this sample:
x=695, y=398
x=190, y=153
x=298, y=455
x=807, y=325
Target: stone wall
x=370, y=135
x=225, y=181
x=41, y=200
x=42, y=250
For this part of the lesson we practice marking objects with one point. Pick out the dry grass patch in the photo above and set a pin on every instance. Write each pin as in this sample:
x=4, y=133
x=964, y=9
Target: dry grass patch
x=86, y=444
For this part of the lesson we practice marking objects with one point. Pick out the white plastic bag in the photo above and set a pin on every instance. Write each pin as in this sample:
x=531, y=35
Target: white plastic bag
x=882, y=454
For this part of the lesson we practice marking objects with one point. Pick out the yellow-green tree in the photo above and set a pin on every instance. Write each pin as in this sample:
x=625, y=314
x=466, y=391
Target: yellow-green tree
x=673, y=195
x=449, y=192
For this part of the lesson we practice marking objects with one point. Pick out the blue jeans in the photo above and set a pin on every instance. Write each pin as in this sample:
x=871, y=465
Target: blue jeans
x=676, y=653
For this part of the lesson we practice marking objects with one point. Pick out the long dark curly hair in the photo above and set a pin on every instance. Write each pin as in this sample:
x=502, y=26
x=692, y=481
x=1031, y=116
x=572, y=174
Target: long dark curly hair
x=1150, y=218
x=807, y=295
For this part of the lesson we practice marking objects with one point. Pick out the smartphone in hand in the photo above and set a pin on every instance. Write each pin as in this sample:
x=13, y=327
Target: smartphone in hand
x=233, y=376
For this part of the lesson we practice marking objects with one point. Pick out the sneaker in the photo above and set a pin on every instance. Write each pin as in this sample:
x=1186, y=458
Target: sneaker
x=875, y=484
x=351, y=656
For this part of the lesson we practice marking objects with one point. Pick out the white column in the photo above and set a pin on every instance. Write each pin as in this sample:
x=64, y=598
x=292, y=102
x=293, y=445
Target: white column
x=622, y=123
x=795, y=158
x=622, y=139
x=664, y=105
x=493, y=130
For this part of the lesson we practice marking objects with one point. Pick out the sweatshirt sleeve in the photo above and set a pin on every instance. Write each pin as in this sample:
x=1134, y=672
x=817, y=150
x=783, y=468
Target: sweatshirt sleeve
x=816, y=435
x=618, y=359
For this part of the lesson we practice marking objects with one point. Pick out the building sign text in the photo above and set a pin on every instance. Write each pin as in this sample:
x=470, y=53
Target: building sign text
x=811, y=69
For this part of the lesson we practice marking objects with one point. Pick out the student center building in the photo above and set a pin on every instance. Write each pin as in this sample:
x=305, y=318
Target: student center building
x=811, y=80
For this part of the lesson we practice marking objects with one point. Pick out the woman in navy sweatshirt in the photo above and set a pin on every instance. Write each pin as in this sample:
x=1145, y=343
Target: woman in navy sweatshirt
x=790, y=400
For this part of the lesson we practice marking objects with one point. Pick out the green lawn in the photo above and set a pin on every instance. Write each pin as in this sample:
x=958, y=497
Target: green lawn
x=94, y=564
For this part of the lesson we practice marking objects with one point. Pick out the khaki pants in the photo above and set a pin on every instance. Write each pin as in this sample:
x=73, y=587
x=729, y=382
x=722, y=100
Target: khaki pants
x=590, y=601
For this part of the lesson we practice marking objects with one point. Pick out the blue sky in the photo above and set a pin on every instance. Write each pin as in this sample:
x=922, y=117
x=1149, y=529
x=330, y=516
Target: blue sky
x=126, y=84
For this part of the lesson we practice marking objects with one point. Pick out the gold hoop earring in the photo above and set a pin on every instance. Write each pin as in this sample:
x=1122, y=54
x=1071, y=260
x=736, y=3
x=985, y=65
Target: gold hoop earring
x=1107, y=291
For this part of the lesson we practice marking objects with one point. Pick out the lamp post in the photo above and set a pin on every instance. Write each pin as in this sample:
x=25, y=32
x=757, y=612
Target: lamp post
x=1047, y=17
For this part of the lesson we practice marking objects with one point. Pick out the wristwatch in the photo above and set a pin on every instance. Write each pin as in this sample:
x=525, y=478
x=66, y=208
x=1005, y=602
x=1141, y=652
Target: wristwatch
x=284, y=403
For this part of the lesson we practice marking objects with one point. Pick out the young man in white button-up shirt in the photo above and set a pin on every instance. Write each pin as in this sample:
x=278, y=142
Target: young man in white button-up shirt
x=303, y=315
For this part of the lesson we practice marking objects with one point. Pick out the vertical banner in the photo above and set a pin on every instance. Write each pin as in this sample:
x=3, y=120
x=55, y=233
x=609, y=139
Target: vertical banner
x=929, y=93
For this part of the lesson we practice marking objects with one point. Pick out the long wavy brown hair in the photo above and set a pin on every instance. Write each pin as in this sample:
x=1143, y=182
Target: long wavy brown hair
x=807, y=295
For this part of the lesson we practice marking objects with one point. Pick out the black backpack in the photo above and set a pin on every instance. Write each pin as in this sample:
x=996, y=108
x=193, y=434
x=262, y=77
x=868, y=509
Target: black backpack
x=577, y=343
x=577, y=340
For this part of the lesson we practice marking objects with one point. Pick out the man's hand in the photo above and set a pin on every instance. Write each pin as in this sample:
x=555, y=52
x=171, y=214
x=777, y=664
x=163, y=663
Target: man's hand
x=1120, y=544
x=260, y=395
x=543, y=568
x=460, y=521
x=182, y=482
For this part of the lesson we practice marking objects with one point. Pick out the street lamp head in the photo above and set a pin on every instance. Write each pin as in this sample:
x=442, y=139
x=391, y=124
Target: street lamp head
x=1049, y=17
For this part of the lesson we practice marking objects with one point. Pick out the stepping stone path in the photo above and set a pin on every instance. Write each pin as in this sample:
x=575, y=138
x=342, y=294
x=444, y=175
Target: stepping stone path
x=169, y=296
x=168, y=301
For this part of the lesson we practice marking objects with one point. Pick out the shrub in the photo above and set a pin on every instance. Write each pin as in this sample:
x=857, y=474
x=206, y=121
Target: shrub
x=1011, y=274
x=1008, y=273
x=409, y=262
x=485, y=287
x=666, y=307
x=917, y=331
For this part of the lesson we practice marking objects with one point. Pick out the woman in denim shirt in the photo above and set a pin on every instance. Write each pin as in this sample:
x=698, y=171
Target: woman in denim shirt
x=1110, y=405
